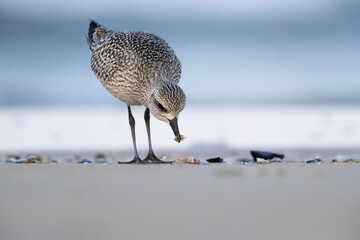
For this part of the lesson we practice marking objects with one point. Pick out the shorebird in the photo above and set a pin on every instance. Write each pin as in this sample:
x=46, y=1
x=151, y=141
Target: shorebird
x=139, y=68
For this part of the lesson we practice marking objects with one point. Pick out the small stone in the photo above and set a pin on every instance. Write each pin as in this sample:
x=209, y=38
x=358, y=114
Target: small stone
x=185, y=160
x=317, y=159
x=215, y=160
x=85, y=161
x=189, y=160
x=311, y=161
x=262, y=161
x=29, y=159
x=357, y=161
x=196, y=160
x=346, y=160
x=334, y=161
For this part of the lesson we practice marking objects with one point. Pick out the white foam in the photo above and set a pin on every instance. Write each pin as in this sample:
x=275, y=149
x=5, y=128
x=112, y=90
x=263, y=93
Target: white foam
x=107, y=128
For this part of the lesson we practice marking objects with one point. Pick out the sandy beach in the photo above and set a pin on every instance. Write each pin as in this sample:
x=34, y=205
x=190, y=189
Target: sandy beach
x=180, y=201
x=104, y=200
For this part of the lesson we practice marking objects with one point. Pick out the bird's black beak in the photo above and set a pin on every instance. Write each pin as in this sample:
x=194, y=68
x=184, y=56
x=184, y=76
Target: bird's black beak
x=175, y=128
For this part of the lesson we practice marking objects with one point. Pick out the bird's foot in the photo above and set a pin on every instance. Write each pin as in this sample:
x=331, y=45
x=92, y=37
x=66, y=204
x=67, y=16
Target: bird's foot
x=151, y=158
x=136, y=160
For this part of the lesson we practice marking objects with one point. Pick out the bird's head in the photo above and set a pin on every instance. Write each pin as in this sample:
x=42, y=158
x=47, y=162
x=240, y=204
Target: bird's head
x=166, y=102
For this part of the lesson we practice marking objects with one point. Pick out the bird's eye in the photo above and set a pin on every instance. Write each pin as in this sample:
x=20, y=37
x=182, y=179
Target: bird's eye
x=161, y=107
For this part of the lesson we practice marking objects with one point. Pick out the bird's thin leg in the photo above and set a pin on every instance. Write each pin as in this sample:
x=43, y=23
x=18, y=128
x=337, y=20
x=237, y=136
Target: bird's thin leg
x=132, y=126
x=147, y=123
x=151, y=157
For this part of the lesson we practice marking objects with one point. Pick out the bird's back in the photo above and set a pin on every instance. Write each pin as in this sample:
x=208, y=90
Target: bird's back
x=129, y=63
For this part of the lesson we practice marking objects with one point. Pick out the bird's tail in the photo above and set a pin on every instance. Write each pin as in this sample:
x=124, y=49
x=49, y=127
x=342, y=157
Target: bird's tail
x=96, y=32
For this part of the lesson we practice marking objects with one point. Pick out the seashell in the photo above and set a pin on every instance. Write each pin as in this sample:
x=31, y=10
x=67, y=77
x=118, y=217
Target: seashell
x=215, y=160
x=265, y=155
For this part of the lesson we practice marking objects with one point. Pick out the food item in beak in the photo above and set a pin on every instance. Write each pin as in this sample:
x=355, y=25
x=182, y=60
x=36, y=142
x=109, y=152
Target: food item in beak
x=179, y=139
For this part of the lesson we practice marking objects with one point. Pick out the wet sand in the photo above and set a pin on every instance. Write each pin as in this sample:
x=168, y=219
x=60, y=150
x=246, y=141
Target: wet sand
x=180, y=201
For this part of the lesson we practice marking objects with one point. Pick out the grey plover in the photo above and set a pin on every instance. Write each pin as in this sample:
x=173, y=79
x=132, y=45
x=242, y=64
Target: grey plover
x=139, y=68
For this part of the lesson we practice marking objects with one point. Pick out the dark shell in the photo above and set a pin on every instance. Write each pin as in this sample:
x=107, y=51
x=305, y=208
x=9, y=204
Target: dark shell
x=265, y=155
x=215, y=160
x=85, y=161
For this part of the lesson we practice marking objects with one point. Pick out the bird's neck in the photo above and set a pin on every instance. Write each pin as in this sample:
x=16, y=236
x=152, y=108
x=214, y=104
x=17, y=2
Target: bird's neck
x=153, y=89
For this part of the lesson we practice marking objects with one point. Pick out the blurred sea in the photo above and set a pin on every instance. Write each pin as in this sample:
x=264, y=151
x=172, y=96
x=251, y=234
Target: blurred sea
x=205, y=127
x=298, y=55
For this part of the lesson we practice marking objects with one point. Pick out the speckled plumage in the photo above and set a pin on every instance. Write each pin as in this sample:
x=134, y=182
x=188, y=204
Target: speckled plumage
x=129, y=64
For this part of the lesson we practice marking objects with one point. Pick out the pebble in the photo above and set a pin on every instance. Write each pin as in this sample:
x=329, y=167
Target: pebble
x=196, y=160
x=85, y=161
x=311, y=161
x=215, y=160
x=189, y=160
x=184, y=160
x=29, y=159
x=334, y=161
x=357, y=161
x=346, y=160
x=262, y=161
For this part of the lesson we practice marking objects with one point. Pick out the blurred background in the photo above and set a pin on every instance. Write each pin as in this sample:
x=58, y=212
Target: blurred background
x=277, y=51
x=252, y=53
